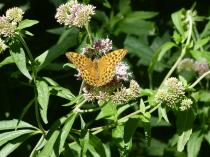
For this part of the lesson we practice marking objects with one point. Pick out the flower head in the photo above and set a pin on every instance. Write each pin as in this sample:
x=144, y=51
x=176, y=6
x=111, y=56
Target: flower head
x=102, y=46
x=74, y=14
x=122, y=72
x=14, y=14
x=171, y=93
x=186, y=64
x=185, y=104
x=201, y=68
x=3, y=46
x=7, y=28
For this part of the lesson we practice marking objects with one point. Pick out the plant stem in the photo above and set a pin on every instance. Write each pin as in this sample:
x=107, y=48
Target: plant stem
x=199, y=79
x=87, y=27
x=189, y=18
x=26, y=48
x=81, y=87
x=34, y=74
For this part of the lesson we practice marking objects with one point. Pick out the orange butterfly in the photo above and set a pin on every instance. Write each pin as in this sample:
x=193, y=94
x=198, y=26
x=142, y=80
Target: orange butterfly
x=99, y=71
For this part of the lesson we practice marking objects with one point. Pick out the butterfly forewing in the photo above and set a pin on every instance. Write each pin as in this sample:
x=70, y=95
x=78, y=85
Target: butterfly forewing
x=85, y=66
x=107, y=65
x=100, y=71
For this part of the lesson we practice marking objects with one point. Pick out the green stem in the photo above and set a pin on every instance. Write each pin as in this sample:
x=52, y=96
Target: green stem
x=34, y=74
x=26, y=48
x=37, y=116
x=199, y=79
x=183, y=49
x=87, y=27
x=81, y=87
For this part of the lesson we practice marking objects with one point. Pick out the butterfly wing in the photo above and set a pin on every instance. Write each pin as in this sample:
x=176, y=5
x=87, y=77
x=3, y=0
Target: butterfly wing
x=107, y=65
x=85, y=66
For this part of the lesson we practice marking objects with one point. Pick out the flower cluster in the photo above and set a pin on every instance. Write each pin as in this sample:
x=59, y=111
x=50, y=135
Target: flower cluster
x=102, y=46
x=3, y=46
x=122, y=72
x=123, y=95
x=189, y=64
x=8, y=23
x=172, y=94
x=74, y=14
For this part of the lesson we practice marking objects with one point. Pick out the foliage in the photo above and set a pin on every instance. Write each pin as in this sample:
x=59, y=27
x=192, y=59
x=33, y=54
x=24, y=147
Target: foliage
x=121, y=117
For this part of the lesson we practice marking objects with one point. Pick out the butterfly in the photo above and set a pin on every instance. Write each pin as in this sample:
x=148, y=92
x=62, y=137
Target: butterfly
x=97, y=72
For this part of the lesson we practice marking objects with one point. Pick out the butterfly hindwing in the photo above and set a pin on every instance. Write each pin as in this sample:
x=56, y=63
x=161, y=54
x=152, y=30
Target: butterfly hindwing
x=85, y=66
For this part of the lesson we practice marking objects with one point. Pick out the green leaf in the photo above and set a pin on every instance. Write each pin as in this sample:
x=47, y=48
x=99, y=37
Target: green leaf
x=201, y=42
x=184, y=125
x=85, y=144
x=139, y=48
x=124, y=6
x=130, y=128
x=207, y=137
x=25, y=109
x=7, y=136
x=96, y=146
x=108, y=110
x=12, y=145
x=43, y=98
x=136, y=27
x=61, y=92
x=157, y=148
x=67, y=40
x=11, y=124
x=65, y=130
x=6, y=61
x=50, y=145
x=194, y=144
x=34, y=152
x=18, y=56
x=141, y=15
x=177, y=20
x=201, y=55
x=27, y=23
x=162, y=114
x=183, y=139
x=206, y=30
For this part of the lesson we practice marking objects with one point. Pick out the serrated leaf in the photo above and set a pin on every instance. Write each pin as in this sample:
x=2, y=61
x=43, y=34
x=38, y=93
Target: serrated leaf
x=11, y=124
x=194, y=144
x=6, y=61
x=18, y=56
x=65, y=130
x=43, y=98
x=27, y=23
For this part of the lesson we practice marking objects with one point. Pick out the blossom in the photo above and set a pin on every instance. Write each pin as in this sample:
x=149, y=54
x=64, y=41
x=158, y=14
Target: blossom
x=74, y=14
x=3, y=46
x=122, y=71
x=124, y=95
x=186, y=64
x=7, y=29
x=171, y=93
x=14, y=14
x=186, y=104
x=201, y=68
x=102, y=46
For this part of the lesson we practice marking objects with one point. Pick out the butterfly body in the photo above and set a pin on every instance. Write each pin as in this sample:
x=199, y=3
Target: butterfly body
x=99, y=71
